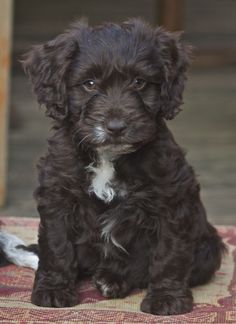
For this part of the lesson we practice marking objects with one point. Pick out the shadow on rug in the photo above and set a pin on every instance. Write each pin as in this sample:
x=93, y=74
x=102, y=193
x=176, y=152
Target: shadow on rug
x=214, y=302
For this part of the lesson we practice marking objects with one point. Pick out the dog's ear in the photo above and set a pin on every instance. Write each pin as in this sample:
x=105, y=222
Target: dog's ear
x=47, y=66
x=176, y=57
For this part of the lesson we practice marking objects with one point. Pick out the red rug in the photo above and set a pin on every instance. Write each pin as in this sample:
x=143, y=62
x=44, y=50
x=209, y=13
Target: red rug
x=214, y=302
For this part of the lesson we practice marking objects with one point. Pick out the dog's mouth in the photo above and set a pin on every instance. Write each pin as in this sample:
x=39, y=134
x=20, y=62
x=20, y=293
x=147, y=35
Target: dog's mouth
x=117, y=149
x=101, y=141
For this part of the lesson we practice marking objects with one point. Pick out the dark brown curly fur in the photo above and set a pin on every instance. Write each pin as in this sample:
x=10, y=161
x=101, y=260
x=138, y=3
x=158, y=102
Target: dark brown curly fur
x=108, y=90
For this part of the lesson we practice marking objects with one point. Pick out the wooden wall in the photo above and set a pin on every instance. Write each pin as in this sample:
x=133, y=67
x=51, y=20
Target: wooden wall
x=209, y=25
x=5, y=45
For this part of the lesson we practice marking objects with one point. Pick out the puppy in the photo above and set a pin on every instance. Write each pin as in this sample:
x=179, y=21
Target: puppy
x=117, y=199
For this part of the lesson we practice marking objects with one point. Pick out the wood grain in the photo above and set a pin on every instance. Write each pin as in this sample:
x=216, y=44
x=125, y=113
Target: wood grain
x=5, y=45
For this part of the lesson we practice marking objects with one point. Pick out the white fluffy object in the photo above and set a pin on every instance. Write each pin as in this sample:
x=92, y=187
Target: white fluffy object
x=17, y=255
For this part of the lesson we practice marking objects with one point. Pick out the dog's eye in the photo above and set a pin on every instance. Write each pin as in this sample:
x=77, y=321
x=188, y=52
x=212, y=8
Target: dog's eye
x=89, y=85
x=139, y=83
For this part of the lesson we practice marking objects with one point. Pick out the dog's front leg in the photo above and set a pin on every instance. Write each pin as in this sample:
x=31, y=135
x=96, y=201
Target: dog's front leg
x=169, y=270
x=54, y=284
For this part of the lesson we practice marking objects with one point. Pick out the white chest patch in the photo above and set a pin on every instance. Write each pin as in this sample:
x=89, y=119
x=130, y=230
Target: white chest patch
x=102, y=180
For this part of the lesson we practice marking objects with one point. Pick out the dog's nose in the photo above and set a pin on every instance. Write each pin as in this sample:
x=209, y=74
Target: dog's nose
x=116, y=126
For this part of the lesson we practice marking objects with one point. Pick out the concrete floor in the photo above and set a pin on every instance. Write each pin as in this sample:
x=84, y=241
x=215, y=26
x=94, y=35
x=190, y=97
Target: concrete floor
x=206, y=129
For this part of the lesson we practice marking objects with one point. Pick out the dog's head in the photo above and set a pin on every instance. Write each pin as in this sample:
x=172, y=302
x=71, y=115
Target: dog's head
x=110, y=83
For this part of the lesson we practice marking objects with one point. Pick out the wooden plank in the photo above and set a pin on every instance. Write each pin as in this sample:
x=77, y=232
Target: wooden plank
x=217, y=57
x=5, y=46
x=172, y=14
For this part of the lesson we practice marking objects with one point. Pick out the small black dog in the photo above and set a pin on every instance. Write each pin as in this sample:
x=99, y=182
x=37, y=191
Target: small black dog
x=117, y=199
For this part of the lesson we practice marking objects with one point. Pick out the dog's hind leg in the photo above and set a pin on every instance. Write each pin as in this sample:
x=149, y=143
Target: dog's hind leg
x=117, y=280
x=111, y=285
x=116, y=276
x=207, y=259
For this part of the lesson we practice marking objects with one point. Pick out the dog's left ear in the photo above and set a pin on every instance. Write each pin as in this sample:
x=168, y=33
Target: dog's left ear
x=176, y=57
x=47, y=66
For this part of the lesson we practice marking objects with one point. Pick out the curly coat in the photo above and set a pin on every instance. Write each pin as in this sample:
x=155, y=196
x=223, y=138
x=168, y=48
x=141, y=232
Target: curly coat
x=117, y=199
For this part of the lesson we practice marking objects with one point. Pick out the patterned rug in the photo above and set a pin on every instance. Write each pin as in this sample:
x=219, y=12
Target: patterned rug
x=214, y=302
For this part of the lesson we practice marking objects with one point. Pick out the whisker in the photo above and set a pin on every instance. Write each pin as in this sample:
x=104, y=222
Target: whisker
x=83, y=139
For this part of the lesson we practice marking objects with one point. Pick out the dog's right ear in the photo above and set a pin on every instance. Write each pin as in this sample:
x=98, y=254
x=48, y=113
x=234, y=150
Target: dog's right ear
x=47, y=66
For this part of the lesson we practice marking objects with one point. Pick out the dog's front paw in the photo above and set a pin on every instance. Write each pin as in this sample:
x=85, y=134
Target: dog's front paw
x=111, y=285
x=55, y=298
x=167, y=303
